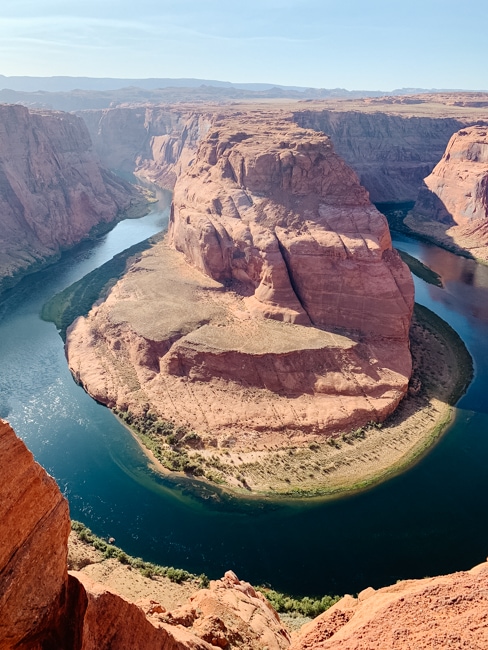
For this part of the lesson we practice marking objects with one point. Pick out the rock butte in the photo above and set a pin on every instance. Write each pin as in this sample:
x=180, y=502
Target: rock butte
x=452, y=205
x=53, y=190
x=277, y=307
x=42, y=605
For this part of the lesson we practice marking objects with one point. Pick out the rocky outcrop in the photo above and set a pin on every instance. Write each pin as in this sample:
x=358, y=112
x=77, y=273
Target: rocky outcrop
x=391, y=154
x=42, y=606
x=290, y=315
x=443, y=612
x=53, y=191
x=452, y=205
x=230, y=614
x=277, y=210
x=34, y=529
x=147, y=141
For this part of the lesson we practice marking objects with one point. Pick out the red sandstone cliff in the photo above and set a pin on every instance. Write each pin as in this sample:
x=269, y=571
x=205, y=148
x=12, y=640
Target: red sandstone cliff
x=452, y=205
x=391, y=154
x=42, y=606
x=274, y=208
x=146, y=140
x=53, y=190
x=291, y=313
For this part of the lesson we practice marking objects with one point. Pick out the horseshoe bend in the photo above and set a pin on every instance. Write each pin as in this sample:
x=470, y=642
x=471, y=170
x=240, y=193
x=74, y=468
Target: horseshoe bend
x=272, y=323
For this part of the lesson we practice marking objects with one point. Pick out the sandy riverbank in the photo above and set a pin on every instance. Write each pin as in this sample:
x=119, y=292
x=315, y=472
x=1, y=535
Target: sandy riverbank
x=355, y=460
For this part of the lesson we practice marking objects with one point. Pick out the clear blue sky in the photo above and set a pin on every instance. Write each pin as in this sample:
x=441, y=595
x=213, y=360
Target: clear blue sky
x=354, y=44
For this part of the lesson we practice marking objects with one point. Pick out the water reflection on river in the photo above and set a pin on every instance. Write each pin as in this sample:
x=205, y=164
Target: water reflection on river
x=429, y=520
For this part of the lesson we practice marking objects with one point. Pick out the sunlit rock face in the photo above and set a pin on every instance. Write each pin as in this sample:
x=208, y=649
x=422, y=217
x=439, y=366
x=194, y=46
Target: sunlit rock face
x=276, y=308
x=422, y=614
x=452, y=204
x=43, y=606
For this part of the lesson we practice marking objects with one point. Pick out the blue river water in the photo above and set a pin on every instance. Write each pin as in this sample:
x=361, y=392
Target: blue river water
x=429, y=520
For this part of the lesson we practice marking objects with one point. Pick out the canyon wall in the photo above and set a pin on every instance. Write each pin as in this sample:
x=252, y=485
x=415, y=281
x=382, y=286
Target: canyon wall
x=146, y=140
x=442, y=612
x=391, y=154
x=53, y=190
x=284, y=312
x=452, y=204
x=43, y=606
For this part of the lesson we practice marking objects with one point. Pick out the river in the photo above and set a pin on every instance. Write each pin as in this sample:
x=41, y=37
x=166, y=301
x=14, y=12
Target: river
x=429, y=520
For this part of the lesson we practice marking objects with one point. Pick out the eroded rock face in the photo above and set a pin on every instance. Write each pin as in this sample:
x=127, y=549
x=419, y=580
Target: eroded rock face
x=53, y=190
x=230, y=613
x=447, y=611
x=34, y=529
x=391, y=154
x=152, y=142
x=285, y=310
x=452, y=205
x=42, y=606
x=277, y=210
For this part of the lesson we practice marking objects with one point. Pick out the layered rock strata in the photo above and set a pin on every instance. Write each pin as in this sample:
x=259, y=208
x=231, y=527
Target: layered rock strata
x=391, y=154
x=42, y=606
x=53, y=190
x=392, y=142
x=148, y=141
x=34, y=529
x=283, y=310
x=452, y=205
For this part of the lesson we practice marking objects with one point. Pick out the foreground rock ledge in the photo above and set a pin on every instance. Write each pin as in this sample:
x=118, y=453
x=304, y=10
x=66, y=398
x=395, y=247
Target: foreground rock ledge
x=43, y=606
x=283, y=310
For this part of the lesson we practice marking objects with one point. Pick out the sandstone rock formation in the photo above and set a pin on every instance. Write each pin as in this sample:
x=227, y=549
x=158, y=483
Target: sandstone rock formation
x=391, y=154
x=146, y=140
x=230, y=613
x=391, y=142
x=452, y=205
x=34, y=529
x=53, y=191
x=42, y=606
x=291, y=313
x=443, y=612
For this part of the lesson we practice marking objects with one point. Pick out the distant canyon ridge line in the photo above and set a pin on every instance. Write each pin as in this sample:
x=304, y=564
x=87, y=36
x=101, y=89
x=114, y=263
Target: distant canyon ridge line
x=68, y=83
x=78, y=93
x=263, y=205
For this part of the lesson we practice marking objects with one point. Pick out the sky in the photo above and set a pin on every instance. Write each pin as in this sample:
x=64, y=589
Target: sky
x=353, y=44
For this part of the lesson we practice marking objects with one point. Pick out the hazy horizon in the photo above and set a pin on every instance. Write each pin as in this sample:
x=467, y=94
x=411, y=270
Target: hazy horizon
x=349, y=44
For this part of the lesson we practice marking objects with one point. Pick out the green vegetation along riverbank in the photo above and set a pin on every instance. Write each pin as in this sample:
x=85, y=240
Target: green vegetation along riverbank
x=86, y=548
x=347, y=462
x=77, y=299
